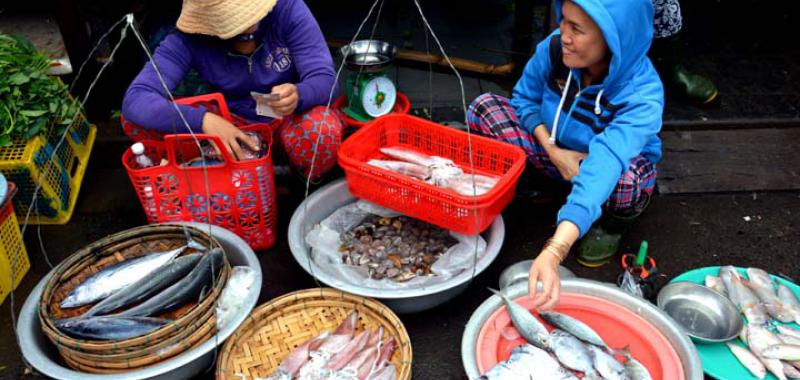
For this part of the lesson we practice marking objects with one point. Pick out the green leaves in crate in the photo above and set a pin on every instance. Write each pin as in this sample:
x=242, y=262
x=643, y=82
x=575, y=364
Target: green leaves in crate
x=31, y=102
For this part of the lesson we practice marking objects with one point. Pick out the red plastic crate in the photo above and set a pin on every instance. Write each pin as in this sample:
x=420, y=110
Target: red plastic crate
x=214, y=102
x=441, y=207
x=238, y=195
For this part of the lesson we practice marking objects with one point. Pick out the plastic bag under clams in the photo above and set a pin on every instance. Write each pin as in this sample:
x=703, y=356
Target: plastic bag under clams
x=325, y=242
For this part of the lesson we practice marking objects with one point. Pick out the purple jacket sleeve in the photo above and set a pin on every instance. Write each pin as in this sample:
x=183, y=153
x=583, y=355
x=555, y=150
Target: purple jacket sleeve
x=147, y=104
x=311, y=57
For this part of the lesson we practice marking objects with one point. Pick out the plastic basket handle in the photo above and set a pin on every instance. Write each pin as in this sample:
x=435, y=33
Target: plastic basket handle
x=171, y=143
x=215, y=97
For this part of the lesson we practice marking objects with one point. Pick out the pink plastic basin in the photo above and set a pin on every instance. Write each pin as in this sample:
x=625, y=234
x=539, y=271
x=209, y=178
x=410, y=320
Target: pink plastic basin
x=618, y=326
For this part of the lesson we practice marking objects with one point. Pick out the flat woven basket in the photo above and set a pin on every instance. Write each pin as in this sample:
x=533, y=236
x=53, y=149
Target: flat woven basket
x=192, y=324
x=276, y=328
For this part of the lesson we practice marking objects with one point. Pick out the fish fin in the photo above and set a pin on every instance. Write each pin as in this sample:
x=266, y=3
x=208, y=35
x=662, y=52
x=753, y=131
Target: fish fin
x=202, y=293
x=499, y=293
x=624, y=351
x=191, y=243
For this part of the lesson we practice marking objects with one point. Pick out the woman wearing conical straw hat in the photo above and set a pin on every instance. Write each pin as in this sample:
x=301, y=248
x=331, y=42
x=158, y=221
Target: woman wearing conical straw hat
x=241, y=47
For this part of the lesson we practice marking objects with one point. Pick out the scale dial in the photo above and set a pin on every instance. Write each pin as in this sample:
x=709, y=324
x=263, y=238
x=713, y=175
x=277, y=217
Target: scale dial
x=378, y=96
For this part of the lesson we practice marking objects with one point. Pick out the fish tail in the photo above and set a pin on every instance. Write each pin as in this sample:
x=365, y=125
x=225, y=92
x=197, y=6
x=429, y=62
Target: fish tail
x=624, y=351
x=497, y=292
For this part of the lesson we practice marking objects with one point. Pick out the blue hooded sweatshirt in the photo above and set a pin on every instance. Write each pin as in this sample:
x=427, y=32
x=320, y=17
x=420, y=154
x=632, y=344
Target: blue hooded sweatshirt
x=613, y=121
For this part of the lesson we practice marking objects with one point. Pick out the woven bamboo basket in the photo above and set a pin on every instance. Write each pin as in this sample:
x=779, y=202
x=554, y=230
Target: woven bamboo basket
x=104, y=365
x=172, y=346
x=90, y=369
x=144, y=350
x=276, y=328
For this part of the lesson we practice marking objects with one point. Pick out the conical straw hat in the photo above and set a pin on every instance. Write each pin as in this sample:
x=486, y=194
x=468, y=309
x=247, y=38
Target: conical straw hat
x=222, y=18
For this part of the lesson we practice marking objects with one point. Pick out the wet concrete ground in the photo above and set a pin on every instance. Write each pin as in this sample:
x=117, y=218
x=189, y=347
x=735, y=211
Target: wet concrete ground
x=683, y=231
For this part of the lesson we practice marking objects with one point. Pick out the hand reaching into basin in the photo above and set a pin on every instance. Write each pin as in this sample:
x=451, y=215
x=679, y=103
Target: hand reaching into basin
x=545, y=266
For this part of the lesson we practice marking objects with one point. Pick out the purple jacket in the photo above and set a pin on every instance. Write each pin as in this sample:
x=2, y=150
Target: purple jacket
x=292, y=50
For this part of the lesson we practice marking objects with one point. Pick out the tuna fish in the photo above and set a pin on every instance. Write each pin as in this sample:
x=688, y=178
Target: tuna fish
x=109, y=328
x=528, y=326
x=184, y=291
x=528, y=362
x=636, y=369
x=147, y=285
x=116, y=277
x=571, y=352
x=607, y=366
x=573, y=326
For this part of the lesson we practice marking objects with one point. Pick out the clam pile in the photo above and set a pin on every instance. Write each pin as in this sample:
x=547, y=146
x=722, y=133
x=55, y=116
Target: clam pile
x=398, y=248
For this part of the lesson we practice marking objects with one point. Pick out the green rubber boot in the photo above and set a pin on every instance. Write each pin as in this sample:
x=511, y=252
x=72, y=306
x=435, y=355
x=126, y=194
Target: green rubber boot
x=668, y=56
x=601, y=243
x=696, y=88
x=598, y=247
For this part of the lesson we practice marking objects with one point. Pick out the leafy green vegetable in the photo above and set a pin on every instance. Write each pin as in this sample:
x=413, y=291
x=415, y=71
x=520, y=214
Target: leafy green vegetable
x=31, y=102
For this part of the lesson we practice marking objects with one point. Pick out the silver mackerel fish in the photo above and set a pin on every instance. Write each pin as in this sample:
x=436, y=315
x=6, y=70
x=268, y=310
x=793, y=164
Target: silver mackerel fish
x=116, y=277
x=528, y=326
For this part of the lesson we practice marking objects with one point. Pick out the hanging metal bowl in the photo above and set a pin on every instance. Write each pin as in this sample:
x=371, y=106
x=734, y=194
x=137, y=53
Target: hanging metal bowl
x=368, y=55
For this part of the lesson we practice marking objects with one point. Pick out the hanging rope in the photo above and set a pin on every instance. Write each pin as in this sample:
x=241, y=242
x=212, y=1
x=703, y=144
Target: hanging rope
x=469, y=135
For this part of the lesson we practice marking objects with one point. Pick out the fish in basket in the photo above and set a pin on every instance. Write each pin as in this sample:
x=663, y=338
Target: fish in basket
x=134, y=299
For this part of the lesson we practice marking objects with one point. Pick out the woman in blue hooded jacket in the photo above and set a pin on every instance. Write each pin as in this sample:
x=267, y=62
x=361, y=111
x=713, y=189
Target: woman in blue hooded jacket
x=586, y=110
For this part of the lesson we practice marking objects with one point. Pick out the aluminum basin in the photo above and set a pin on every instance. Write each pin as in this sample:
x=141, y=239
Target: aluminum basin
x=40, y=353
x=326, y=200
x=705, y=315
x=368, y=55
x=686, y=350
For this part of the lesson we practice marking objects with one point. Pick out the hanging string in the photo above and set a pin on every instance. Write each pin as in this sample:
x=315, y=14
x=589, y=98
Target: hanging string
x=129, y=20
x=469, y=134
x=186, y=125
x=315, y=126
x=202, y=157
x=50, y=162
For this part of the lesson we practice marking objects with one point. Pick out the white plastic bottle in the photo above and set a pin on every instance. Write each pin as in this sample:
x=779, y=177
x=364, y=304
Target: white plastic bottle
x=149, y=198
x=141, y=159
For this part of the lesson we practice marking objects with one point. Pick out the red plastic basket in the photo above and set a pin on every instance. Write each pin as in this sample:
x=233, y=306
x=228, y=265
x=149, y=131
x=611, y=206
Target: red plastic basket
x=214, y=102
x=238, y=195
x=444, y=208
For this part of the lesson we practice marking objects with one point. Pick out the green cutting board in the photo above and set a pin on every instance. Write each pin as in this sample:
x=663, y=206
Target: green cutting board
x=717, y=359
